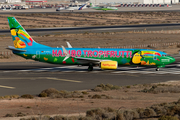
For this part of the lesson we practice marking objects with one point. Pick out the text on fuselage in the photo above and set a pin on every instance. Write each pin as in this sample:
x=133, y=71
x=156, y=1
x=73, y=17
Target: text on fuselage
x=94, y=53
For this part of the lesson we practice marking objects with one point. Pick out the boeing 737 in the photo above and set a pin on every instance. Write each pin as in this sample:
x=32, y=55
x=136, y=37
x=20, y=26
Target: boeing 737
x=26, y=47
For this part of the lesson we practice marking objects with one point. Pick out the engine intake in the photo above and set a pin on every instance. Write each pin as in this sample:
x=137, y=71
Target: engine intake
x=109, y=65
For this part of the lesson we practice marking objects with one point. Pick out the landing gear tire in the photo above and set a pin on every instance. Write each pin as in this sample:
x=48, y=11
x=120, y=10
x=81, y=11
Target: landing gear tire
x=157, y=69
x=90, y=68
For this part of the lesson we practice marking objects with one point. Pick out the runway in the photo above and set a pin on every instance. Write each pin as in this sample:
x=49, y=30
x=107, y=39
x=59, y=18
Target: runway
x=33, y=77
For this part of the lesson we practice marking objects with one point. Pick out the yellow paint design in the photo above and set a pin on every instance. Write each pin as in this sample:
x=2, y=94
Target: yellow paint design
x=45, y=59
x=25, y=55
x=13, y=32
x=153, y=63
x=24, y=33
x=15, y=43
x=136, y=58
x=18, y=43
x=147, y=62
x=142, y=52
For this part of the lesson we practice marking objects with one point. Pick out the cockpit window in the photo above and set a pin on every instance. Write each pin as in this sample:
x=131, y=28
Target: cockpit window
x=164, y=55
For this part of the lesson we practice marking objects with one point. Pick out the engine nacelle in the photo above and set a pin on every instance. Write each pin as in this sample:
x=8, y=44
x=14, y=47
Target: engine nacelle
x=109, y=65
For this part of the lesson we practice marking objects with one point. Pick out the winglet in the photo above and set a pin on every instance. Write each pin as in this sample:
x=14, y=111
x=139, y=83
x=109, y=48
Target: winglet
x=66, y=53
x=69, y=45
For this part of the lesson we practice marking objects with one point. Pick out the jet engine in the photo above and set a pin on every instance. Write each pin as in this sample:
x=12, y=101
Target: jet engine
x=109, y=65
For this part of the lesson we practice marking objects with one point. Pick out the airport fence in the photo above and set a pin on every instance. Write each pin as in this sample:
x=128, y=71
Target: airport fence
x=5, y=54
x=146, y=45
x=158, y=32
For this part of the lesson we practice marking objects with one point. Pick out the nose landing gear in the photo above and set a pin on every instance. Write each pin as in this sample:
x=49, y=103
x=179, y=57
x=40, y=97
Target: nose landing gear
x=157, y=69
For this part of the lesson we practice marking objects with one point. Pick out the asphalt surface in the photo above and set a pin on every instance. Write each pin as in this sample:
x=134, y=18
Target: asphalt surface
x=120, y=9
x=96, y=29
x=33, y=77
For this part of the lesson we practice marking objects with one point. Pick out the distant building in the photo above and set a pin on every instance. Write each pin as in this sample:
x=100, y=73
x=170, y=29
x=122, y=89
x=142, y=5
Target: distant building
x=136, y=1
x=10, y=1
x=83, y=1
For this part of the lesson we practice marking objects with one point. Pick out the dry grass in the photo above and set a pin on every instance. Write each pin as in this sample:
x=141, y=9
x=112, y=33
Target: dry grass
x=168, y=111
x=162, y=89
x=40, y=20
x=126, y=103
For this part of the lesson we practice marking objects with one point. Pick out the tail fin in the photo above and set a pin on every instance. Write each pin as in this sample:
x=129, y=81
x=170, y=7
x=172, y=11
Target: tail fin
x=91, y=5
x=82, y=7
x=21, y=38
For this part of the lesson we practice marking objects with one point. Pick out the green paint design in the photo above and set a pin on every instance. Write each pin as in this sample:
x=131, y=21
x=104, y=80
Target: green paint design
x=55, y=59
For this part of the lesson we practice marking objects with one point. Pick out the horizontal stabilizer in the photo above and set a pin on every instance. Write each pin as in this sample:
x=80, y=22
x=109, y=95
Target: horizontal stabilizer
x=15, y=49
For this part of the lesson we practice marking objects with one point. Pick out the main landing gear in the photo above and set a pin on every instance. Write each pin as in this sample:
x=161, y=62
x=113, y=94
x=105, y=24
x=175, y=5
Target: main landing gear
x=157, y=69
x=90, y=68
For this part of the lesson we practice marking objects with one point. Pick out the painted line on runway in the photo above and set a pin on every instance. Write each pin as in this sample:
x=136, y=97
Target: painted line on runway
x=63, y=80
x=40, y=69
x=67, y=71
x=1, y=86
x=32, y=70
x=144, y=72
x=81, y=71
x=66, y=66
x=173, y=81
x=175, y=73
x=12, y=78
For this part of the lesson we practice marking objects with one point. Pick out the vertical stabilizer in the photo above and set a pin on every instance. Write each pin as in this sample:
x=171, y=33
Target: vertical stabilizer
x=83, y=6
x=21, y=38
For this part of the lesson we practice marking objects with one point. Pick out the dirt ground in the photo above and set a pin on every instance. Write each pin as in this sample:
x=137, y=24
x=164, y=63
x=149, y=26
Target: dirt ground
x=126, y=98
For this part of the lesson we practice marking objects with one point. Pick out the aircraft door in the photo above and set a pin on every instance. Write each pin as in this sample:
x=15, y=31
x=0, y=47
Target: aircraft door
x=154, y=56
x=37, y=54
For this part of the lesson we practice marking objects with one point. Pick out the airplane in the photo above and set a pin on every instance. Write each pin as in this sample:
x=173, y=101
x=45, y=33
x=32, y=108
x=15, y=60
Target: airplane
x=105, y=58
x=7, y=9
x=104, y=8
x=76, y=7
x=60, y=8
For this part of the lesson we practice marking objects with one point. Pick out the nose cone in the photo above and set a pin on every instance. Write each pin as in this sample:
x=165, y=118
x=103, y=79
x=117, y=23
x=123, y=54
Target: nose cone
x=172, y=59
